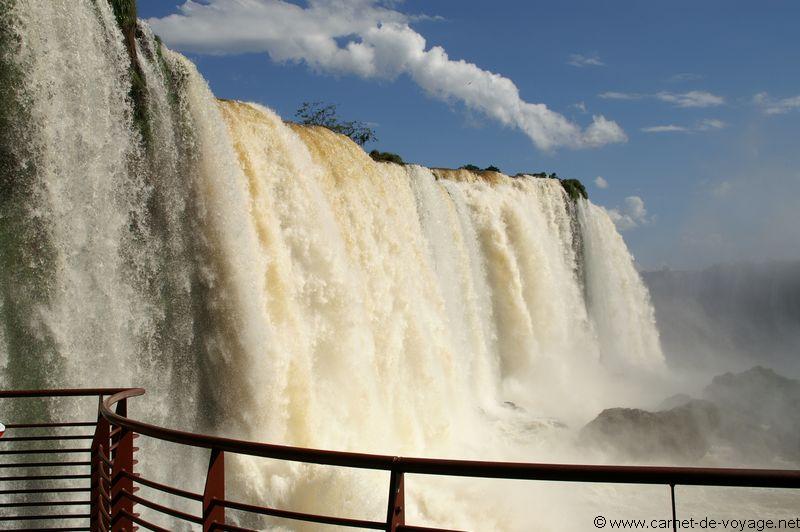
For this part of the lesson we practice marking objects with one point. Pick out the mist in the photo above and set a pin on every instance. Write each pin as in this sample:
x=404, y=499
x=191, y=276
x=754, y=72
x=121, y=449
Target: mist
x=729, y=317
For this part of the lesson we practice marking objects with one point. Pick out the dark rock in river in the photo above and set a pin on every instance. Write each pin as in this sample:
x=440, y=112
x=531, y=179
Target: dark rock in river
x=760, y=412
x=750, y=418
x=681, y=434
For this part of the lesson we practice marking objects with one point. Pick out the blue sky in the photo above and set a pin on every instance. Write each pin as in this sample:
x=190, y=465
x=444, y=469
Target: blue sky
x=700, y=99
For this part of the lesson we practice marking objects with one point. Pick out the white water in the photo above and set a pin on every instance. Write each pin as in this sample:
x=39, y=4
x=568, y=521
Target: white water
x=272, y=282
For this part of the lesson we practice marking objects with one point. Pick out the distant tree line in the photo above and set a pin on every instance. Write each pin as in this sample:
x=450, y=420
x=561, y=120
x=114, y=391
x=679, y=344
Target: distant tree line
x=573, y=187
x=473, y=168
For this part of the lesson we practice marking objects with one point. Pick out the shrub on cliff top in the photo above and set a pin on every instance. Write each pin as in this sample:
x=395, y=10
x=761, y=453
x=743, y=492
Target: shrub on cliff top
x=321, y=114
x=386, y=157
x=574, y=188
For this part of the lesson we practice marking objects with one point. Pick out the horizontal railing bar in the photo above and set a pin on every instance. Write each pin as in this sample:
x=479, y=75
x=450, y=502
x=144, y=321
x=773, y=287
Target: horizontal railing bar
x=691, y=476
x=50, y=425
x=64, y=392
x=46, y=464
x=49, y=437
x=43, y=517
x=687, y=476
x=163, y=487
x=44, y=451
x=298, y=516
x=163, y=509
x=44, y=490
x=44, y=477
x=138, y=520
x=43, y=503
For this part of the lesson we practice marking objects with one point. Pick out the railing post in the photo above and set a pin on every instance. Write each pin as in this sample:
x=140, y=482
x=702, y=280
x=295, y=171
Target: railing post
x=674, y=514
x=99, y=506
x=396, y=514
x=213, y=513
x=123, y=462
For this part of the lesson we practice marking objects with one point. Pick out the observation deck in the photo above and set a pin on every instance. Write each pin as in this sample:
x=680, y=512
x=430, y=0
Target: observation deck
x=98, y=466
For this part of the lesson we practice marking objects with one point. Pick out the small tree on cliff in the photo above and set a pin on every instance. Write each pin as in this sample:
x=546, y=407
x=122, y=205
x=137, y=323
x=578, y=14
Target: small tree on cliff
x=321, y=114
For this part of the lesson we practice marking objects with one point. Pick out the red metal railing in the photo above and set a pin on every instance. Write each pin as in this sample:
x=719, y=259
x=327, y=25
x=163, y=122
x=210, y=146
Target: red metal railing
x=113, y=484
x=56, y=463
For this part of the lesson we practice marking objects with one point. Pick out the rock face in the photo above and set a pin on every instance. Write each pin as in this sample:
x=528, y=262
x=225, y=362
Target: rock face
x=760, y=412
x=752, y=417
x=680, y=434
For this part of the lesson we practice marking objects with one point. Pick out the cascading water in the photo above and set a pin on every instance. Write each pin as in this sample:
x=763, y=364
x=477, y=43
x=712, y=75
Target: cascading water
x=270, y=281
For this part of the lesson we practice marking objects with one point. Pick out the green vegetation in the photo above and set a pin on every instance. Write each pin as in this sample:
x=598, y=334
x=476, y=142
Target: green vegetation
x=540, y=175
x=321, y=114
x=125, y=13
x=386, y=157
x=172, y=80
x=574, y=188
x=473, y=168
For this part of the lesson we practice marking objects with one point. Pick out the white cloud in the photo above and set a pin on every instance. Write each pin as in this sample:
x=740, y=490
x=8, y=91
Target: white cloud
x=580, y=106
x=684, y=76
x=579, y=60
x=691, y=99
x=707, y=124
x=369, y=39
x=776, y=107
x=670, y=128
x=611, y=95
x=632, y=214
x=686, y=99
x=599, y=182
x=710, y=124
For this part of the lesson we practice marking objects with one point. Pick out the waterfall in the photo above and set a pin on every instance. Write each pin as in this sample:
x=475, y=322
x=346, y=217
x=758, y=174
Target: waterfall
x=270, y=281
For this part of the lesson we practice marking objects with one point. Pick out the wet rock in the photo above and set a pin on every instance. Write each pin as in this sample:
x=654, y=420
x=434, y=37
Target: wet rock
x=760, y=413
x=681, y=434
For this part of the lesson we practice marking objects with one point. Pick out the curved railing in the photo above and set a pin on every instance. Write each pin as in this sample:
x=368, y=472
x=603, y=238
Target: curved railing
x=114, y=483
